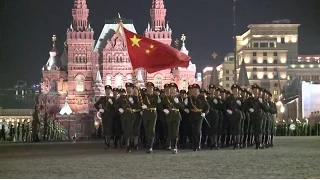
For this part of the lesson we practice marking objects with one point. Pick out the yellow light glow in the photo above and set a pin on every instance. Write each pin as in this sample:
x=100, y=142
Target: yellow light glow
x=259, y=60
x=244, y=42
x=247, y=60
x=294, y=39
x=302, y=66
x=283, y=76
x=278, y=39
x=249, y=74
x=286, y=39
x=311, y=65
x=260, y=75
x=270, y=60
x=293, y=65
x=270, y=75
x=283, y=60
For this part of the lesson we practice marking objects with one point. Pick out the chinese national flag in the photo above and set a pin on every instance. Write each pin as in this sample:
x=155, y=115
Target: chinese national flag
x=152, y=55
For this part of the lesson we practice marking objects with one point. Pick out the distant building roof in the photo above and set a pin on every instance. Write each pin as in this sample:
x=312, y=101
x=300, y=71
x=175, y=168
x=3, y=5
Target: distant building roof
x=16, y=102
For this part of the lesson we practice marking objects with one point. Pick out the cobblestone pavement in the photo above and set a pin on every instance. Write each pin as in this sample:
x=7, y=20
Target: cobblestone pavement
x=292, y=157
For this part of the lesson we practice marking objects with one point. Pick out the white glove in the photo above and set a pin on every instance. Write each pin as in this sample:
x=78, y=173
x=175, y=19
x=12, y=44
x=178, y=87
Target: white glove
x=251, y=110
x=215, y=101
x=166, y=111
x=186, y=101
x=159, y=100
x=141, y=112
x=121, y=110
x=101, y=110
x=144, y=107
x=176, y=100
x=110, y=101
x=186, y=110
x=203, y=114
x=131, y=100
x=229, y=111
x=260, y=99
x=239, y=102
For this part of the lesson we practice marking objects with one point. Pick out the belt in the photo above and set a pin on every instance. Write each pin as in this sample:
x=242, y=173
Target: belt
x=133, y=110
x=196, y=110
x=174, y=109
x=152, y=109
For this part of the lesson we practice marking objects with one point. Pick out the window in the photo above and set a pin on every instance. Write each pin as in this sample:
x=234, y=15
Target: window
x=118, y=81
x=265, y=77
x=79, y=83
x=78, y=128
x=227, y=72
x=275, y=61
x=227, y=85
x=275, y=76
x=158, y=82
x=275, y=53
x=227, y=78
x=275, y=69
x=271, y=44
x=108, y=81
x=254, y=61
x=254, y=54
x=265, y=53
x=275, y=92
x=275, y=84
x=129, y=78
x=255, y=44
x=254, y=77
x=265, y=69
x=254, y=69
x=79, y=102
x=265, y=61
x=184, y=85
x=263, y=44
x=282, y=40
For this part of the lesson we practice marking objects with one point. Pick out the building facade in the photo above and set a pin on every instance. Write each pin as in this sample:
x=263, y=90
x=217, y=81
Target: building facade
x=305, y=68
x=77, y=79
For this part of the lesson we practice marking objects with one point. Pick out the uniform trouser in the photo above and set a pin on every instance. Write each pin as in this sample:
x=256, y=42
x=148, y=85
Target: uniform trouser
x=107, y=125
x=127, y=122
x=257, y=122
x=182, y=129
x=246, y=125
x=225, y=130
x=264, y=122
x=213, y=119
x=235, y=120
x=173, y=123
x=204, y=132
x=137, y=124
x=196, y=124
x=149, y=123
x=117, y=126
x=267, y=130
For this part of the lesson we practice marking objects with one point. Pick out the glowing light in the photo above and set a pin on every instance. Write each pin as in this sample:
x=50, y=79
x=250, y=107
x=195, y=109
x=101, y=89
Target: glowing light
x=270, y=75
x=294, y=39
x=302, y=66
x=247, y=60
x=260, y=75
x=278, y=39
x=283, y=76
x=207, y=69
x=286, y=39
x=283, y=60
x=311, y=65
x=293, y=65
x=282, y=109
x=259, y=60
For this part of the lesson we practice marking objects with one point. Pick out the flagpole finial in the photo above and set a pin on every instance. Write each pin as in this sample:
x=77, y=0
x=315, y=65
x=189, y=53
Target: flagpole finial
x=119, y=16
x=183, y=38
x=214, y=55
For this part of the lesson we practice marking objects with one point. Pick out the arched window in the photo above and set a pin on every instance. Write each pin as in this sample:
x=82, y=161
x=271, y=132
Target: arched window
x=79, y=83
x=119, y=81
x=185, y=85
x=129, y=78
x=158, y=82
x=108, y=81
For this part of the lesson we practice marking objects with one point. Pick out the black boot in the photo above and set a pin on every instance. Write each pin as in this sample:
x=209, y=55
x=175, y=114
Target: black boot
x=197, y=143
x=136, y=142
x=213, y=141
x=236, y=140
x=168, y=145
x=258, y=141
x=107, y=142
x=150, y=145
x=128, y=145
x=223, y=141
x=175, y=146
x=245, y=141
x=271, y=141
x=116, y=140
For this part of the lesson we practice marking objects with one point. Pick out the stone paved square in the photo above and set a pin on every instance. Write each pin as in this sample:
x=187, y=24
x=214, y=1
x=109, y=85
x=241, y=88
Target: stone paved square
x=292, y=157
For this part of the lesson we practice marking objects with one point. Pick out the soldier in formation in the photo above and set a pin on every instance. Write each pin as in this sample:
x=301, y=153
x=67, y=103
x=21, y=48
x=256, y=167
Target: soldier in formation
x=168, y=118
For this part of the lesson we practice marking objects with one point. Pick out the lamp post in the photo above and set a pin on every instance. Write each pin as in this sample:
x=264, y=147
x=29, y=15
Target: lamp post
x=235, y=42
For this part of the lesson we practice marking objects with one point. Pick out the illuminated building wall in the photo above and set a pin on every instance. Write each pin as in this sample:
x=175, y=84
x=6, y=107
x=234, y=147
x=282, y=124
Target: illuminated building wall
x=305, y=68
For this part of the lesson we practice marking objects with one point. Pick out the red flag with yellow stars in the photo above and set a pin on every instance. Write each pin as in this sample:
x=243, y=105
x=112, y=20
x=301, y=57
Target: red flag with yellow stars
x=152, y=55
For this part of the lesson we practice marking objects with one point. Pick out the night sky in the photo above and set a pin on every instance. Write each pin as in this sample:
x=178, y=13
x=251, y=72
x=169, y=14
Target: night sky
x=26, y=27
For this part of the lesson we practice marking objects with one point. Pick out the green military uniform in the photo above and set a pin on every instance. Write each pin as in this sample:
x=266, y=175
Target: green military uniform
x=35, y=126
x=171, y=106
x=107, y=113
x=213, y=118
x=117, y=122
x=272, y=112
x=246, y=118
x=149, y=115
x=162, y=117
x=128, y=105
x=256, y=105
x=234, y=116
x=184, y=124
x=265, y=117
x=198, y=107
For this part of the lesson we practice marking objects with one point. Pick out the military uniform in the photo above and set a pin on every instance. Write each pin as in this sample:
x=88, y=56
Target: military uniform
x=246, y=119
x=171, y=106
x=107, y=114
x=162, y=117
x=213, y=117
x=128, y=105
x=35, y=125
x=198, y=107
x=225, y=130
x=149, y=115
x=183, y=132
x=271, y=121
x=265, y=117
x=256, y=106
x=235, y=116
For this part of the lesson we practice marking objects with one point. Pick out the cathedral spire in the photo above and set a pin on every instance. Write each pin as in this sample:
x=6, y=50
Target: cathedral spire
x=53, y=54
x=80, y=14
x=158, y=15
x=243, y=76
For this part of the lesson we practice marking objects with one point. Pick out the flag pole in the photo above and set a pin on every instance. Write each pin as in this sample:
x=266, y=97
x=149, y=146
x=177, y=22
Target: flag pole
x=134, y=73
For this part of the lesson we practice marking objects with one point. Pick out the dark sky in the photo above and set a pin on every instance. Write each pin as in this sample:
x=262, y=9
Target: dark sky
x=26, y=27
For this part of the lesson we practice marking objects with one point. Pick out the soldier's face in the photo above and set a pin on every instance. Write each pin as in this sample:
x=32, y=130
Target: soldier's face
x=173, y=91
x=115, y=93
x=166, y=90
x=108, y=91
x=235, y=91
x=243, y=94
x=217, y=93
x=150, y=90
x=256, y=92
x=223, y=95
x=196, y=91
x=129, y=90
x=212, y=91
x=156, y=93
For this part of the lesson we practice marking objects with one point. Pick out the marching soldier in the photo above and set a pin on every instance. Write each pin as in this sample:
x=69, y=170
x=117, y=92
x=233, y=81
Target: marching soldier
x=205, y=126
x=256, y=107
x=127, y=106
x=213, y=117
x=116, y=121
x=137, y=121
x=163, y=116
x=225, y=139
x=171, y=106
x=150, y=103
x=198, y=108
x=184, y=123
x=246, y=118
x=234, y=115
x=23, y=131
x=35, y=125
x=263, y=94
x=107, y=114
x=271, y=120
x=3, y=133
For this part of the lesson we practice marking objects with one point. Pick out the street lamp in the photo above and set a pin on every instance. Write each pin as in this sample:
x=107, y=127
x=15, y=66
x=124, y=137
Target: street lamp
x=235, y=42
